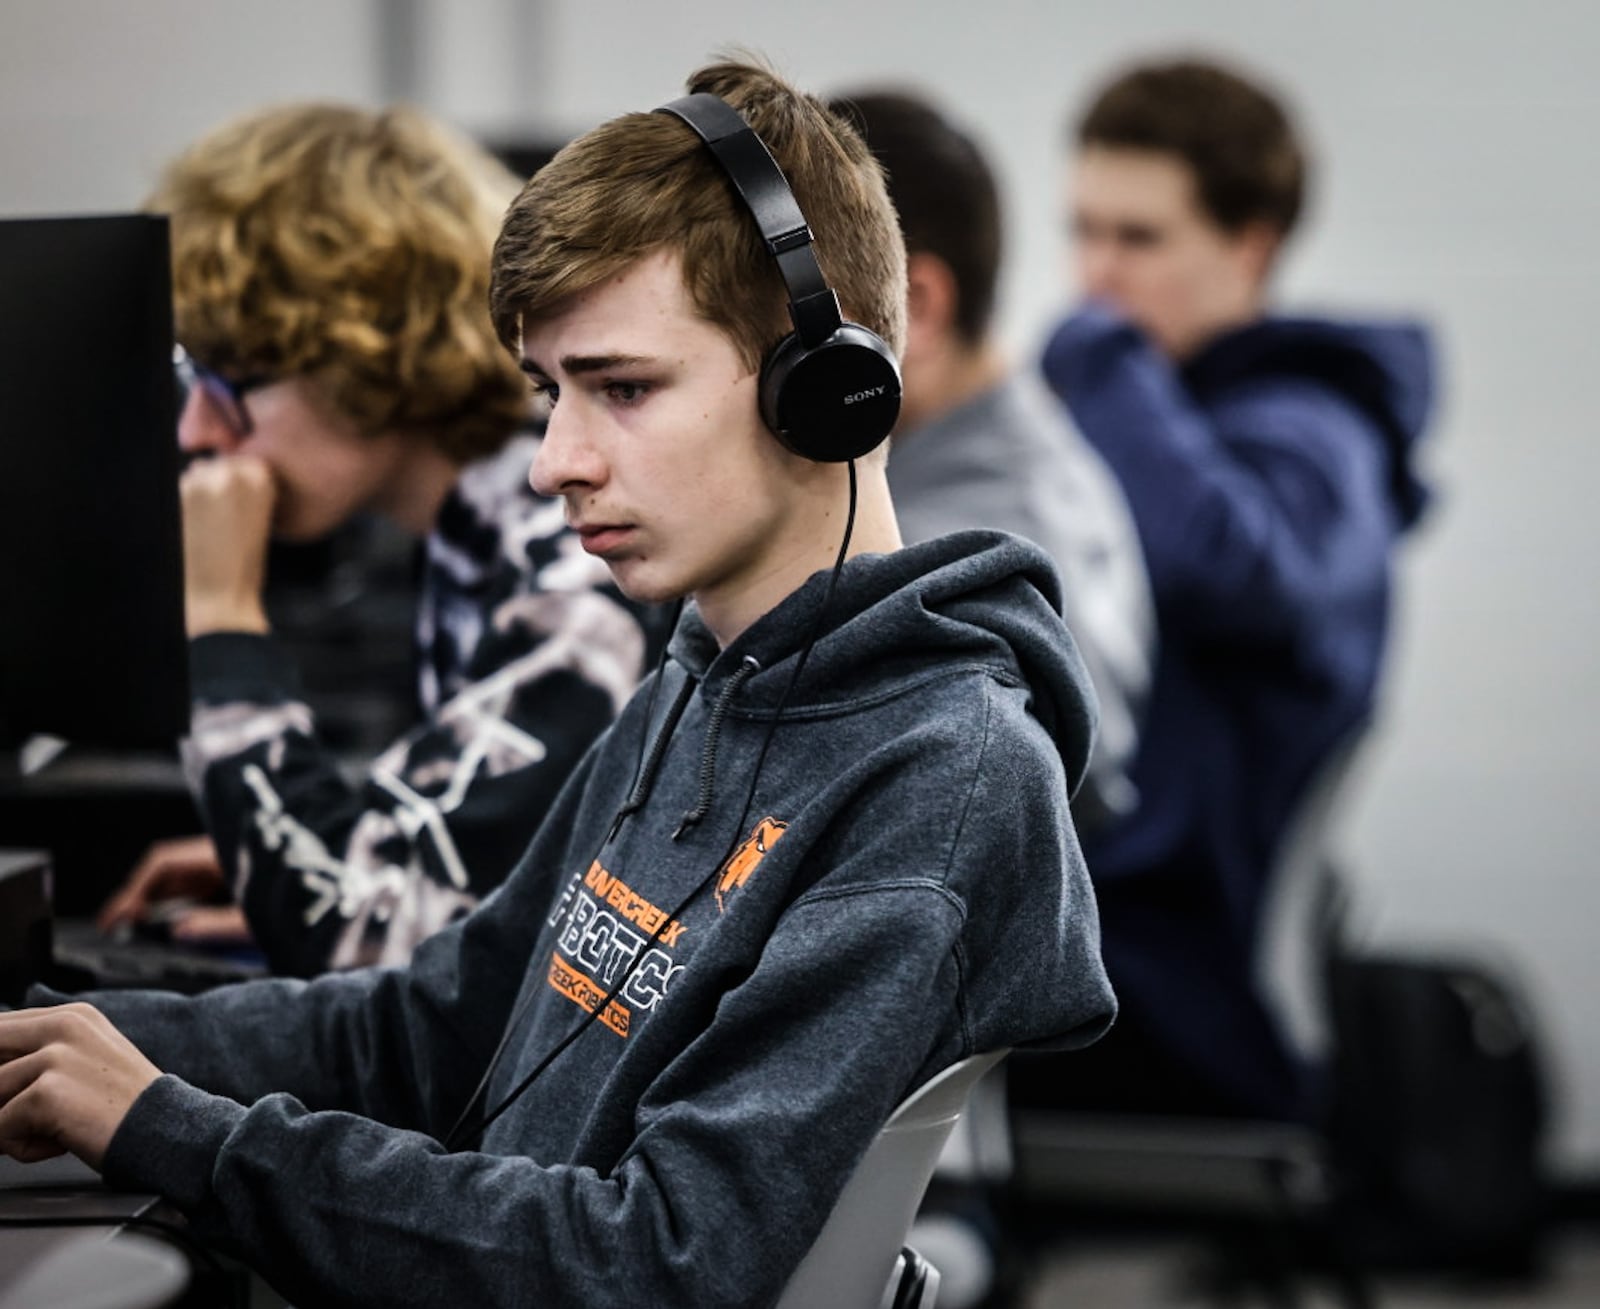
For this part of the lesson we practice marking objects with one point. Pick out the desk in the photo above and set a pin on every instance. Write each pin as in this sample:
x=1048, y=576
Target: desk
x=77, y=1267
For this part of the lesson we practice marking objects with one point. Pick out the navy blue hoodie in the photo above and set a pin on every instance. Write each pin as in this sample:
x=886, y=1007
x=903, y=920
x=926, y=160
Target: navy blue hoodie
x=905, y=889
x=1269, y=478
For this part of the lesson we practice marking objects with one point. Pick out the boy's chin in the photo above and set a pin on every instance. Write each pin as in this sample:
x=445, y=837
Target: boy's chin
x=642, y=589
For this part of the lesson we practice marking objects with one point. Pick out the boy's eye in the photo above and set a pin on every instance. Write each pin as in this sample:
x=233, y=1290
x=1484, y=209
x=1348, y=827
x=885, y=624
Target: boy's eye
x=626, y=392
x=549, y=392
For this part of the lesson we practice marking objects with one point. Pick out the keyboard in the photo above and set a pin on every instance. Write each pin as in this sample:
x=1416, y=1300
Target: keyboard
x=110, y=962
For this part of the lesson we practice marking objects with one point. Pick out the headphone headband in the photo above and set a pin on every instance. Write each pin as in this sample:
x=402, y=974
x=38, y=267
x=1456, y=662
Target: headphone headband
x=831, y=390
x=813, y=306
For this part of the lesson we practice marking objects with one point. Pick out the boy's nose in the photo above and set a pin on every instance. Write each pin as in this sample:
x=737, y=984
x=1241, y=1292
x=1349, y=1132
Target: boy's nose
x=201, y=429
x=566, y=459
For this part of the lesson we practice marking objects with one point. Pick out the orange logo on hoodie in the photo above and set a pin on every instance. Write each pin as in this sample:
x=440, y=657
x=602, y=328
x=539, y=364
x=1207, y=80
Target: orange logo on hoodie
x=752, y=850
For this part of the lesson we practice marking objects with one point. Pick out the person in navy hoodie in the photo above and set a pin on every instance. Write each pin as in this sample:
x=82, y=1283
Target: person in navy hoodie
x=1268, y=464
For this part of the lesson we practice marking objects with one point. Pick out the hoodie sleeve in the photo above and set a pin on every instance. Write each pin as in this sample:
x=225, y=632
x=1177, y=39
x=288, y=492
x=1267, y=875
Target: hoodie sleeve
x=1256, y=514
x=400, y=1045
x=739, y=1149
x=336, y=870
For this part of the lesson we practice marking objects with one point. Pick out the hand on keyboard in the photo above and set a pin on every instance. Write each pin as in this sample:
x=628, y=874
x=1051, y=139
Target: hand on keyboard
x=219, y=925
x=185, y=867
x=67, y=1080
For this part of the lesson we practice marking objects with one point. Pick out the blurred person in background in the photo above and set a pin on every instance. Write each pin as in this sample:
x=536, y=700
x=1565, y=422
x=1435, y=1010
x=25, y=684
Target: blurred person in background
x=1268, y=461
x=331, y=271
x=981, y=443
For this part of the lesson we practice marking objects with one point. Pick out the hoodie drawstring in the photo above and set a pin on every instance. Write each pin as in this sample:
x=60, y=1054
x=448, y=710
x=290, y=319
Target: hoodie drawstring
x=747, y=669
x=652, y=764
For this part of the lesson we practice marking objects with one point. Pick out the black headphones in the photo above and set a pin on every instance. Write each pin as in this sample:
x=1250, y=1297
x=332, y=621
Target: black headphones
x=830, y=390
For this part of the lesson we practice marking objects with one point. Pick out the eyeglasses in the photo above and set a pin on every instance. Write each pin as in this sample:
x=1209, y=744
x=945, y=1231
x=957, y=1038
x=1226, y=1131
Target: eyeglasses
x=227, y=395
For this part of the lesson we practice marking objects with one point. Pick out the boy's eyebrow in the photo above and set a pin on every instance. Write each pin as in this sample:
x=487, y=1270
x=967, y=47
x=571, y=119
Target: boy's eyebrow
x=577, y=365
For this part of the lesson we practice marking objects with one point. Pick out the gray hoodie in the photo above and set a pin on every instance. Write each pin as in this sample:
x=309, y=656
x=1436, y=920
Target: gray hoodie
x=798, y=941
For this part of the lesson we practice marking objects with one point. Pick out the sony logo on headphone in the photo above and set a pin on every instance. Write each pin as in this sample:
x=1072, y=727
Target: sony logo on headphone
x=870, y=394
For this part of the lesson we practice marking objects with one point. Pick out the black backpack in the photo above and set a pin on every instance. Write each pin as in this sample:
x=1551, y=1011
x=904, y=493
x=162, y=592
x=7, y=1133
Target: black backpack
x=1439, y=1114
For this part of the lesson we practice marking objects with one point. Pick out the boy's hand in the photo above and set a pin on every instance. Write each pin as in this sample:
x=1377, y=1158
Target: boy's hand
x=227, y=518
x=67, y=1080
x=184, y=867
x=220, y=925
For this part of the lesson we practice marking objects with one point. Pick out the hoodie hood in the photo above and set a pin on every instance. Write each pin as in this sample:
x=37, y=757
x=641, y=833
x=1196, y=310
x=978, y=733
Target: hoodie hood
x=975, y=598
x=1385, y=369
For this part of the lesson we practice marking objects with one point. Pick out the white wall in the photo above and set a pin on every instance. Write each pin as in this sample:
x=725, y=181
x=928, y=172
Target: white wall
x=96, y=94
x=1458, y=180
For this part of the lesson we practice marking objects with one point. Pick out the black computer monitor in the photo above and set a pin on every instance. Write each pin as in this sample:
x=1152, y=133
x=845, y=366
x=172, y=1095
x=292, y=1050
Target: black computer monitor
x=92, y=642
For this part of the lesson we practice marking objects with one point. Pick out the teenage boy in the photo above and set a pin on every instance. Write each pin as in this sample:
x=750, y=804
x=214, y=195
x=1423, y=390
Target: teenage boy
x=1268, y=463
x=982, y=444
x=330, y=273
x=825, y=853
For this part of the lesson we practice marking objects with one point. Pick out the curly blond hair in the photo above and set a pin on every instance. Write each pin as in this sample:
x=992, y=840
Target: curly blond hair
x=350, y=248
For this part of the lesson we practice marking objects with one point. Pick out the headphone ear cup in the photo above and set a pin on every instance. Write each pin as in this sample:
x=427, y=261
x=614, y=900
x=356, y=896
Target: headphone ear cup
x=836, y=401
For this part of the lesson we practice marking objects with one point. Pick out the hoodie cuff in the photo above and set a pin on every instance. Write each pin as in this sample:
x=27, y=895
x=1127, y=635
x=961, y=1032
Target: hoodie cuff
x=228, y=666
x=169, y=1140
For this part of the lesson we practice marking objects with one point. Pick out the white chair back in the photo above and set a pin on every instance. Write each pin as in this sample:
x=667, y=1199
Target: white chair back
x=1290, y=962
x=850, y=1264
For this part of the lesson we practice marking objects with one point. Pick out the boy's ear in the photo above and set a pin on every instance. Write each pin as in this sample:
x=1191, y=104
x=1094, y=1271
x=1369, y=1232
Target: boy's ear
x=930, y=300
x=1256, y=246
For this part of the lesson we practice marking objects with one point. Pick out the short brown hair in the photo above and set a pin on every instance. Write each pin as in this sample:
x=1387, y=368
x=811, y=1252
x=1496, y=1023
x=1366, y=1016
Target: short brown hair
x=645, y=182
x=943, y=190
x=349, y=247
x=1237, y=138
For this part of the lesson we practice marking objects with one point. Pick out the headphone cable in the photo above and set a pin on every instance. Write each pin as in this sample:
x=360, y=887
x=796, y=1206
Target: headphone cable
x=454, y=1137
x=522, y=1007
